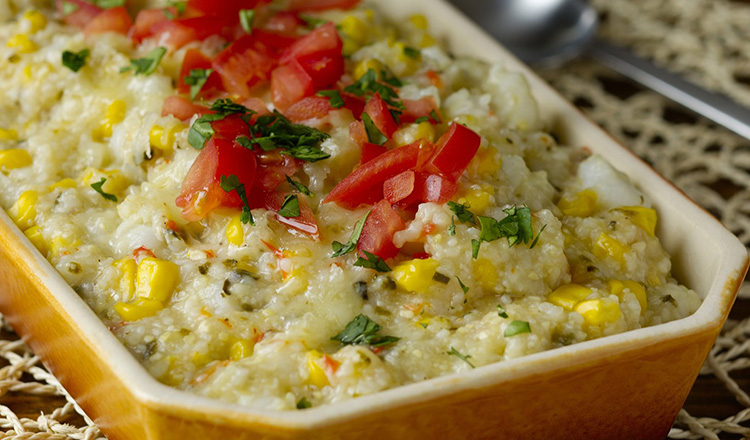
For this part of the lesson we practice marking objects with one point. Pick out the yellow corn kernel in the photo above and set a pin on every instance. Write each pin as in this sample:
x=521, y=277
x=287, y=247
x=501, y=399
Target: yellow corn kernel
x=61, y=244
x=63, y=184
x=355, y=29
x=34, y=234
x=349, y=47
x=139, y=309
x=599, y=311
x=419, y=21
x=23, y=212
x=617, y=287
x=240, y=350
x=644, y=218
x=115, y=115
x=415, y=275
x=157, y=279
x=37, y=20
x=318, y=375
x=410, y=64
x=22, y=43
x=412, y=132
x=425, y=130
x=116, y=183
x=365, y=65
x=164, y=138
x=487, y=160
x=8, y=135
x=608, y=246
x=568, y=295
x=235, y=232
x=486, y=273
x=14, y=158
x=478, y=199
x=426, y=41
x=423, y=323
x=27, y=74
x=127, y=268
x=582, y=205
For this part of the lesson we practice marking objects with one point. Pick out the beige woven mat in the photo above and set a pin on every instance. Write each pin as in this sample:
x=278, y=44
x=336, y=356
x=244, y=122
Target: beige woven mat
x=709, y=42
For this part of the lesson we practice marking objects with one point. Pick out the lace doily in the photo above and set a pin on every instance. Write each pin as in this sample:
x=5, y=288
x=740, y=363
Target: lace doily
x=706, y=41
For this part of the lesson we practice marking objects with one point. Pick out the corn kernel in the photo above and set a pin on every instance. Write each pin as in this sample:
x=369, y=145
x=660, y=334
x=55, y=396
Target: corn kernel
x=34, y=234
x=164, y=138
x=478, y=199
x=617, y=287
x=410, y=64
x=235, y=232
x=582, y=205
x=63, y=184
x=116, y=183
x=318, y=375
x=568, y=295
x=22, y=43
x=486, y=273
x=419, y=21
x=37, y=20
x=607, y=246
x=350, y=47
x=644, y=218
x=115, y=115
x=127, y=268
x=8, y=135
x=23, y=212
x=157, y=279
x=139, y=309
x=365, y=65
x=355, y=29
x=14, y=158
x=599, y=311
x=486, y=161
x=27, y=74
x=60, y=245
x=240, y=350
x=415, y=275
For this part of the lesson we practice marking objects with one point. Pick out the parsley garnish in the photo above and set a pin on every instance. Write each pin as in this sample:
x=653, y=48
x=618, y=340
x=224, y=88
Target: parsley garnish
x=196, y=80
x=412, y=52
x=368, y=84
x=516, y=328
x=296, y=140
x=201, y=130
x=75, y=60
x=463, y=213
x=290, y=207
x=312, y=22
x=228, y=107
x=435, y=117
x=68, y=8
x=501, y=311
x=372, y=262
x=244, y=141
x=232, y=183
x=340, y=249
x=363, y=330
x=389, y=78
x=463, y=286
x=303, y=403
x=422, y=119
x=374, y=135
x=516, y=226
x=475, y=244
x=334, y=97
x=247, y=16
x=463, y=357
x=98, y=188
x=298, y=186
x=452, y=227
x=109, y=4
x=148, y=64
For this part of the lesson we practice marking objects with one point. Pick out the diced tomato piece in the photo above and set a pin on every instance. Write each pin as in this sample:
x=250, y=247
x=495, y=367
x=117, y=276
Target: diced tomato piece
x=194, y=59
x=201, y=192
x=230, y=127
x=371, y=175
x=420, y=108
x=274, y=168
x=454, y=151
x=272, y=201
x=319, y=53
x=275, y=40
x=438, y=189
x=243, y=64
x=177, y=33
x=312, y=107
x=148, y=18
x=181, y=108
x=320, y=5
x=223, y=8
x=378, y=111
x=81, y=16
x=353, y=103
x=257, y=105
x=284, y=22
x=110, y=20
x=421, y=256
x=399, y=186
x=289, y=84
x=377, y=233
x=370, y=151
x=357, y=133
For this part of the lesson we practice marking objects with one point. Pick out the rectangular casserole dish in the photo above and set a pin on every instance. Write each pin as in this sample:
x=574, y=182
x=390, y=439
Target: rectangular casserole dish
x=626, y=386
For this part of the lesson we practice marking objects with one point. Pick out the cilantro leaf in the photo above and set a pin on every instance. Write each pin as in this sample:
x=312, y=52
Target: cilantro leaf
x=412, y=52
x=201, y=130
x=245, y=142
x=290, y=207
x=299, y=186
x=463, y=357
x=296, y=140
x=109, y=4
x=516, y=226
x=75, y=60
x=475, y=244
x=196, y=79
x=312, y=22
x=232, y=183
x=98, y=188
x=389, y=78
x=369, y=85
x=536, y=240
x=463, y=213
x=501, y=311
x=517, y=328
x=340, y=249
x=303, y=403
x=452, y=227
x=334, y=97
x=363, y=330
x=463, y=286
x=435, y=116
x=247, y=16
x=148, y=64
x=372, y=262
x=228, y=107
x=422, y=119
x=374, y=135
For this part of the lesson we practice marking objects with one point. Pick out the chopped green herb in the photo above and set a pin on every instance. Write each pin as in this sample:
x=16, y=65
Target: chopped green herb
x=303, y=403
x=75, y=60
x=340, y=249
x=501, y=311
x=179, y=6
x=463, y=213
x=440, y=278
x=463, y=357
x=245, y=142
x=422, y=119
x=312, y=22
x=299, y=186
x=363, y=330
x=196, y=79
x=295, y=140
x=334, y=97
x=463, y=286
x=98, y=188
x=228, y=107
x=290, y=207
x=452, y=227
x=201, y=130
x=109, y=4
x=475, y=244
x=374, y=135
x=536, y=240
x=232, y=183
x=516, y=226
x=516, y=328
x=148, y=64
x=435, y=116
x=368, y=84
x=389, y=78
x=412, y=52
x=247, y=17
x=68, y=8
x=372, y=262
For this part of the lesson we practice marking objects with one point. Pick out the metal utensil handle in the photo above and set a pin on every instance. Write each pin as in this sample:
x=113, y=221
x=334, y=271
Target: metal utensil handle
x=715, y=107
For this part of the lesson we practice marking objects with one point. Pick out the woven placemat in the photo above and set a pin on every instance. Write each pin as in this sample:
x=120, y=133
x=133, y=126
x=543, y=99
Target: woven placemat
x=705, y=40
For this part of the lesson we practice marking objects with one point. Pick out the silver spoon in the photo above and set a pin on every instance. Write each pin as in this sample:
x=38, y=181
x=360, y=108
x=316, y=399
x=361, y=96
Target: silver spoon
x=549, y=32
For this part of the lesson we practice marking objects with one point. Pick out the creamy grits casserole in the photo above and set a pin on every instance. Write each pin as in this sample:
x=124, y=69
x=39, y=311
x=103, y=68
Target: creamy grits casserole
x=286, y=204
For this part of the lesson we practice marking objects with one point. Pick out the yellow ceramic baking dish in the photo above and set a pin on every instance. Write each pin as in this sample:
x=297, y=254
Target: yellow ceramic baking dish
x=626, y=386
